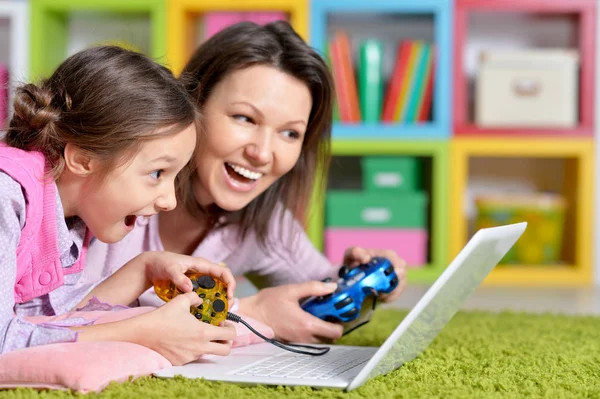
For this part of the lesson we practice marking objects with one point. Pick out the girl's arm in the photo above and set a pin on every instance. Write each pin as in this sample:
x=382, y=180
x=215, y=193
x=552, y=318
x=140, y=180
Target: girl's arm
x=15, y=332
x=139, y=274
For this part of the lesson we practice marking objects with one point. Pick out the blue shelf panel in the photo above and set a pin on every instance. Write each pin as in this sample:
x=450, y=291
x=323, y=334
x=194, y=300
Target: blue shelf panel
x=389, y=131
x=442, y=12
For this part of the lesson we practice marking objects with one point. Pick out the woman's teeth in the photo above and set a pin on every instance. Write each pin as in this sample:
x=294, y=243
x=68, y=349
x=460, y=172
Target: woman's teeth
x=245, y=172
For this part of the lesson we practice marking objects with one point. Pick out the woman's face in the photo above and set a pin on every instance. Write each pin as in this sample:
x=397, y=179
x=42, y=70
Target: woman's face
x=254, y=125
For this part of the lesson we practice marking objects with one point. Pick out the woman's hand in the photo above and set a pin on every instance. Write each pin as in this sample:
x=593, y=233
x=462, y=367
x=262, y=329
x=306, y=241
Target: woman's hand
x=279, y=308
x=355, y=256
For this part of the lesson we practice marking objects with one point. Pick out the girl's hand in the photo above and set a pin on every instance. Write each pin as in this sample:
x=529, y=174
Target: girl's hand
x=355, y=256
x=279, y=308
x=175, y=333
x=170, y=266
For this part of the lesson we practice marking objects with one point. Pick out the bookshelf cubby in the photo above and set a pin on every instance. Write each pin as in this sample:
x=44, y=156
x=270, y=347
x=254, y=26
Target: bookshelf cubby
x=435, y=155
x=553, y=164
x=430, y=20
x=543, y=24
x=136, y=23
x=185, y=19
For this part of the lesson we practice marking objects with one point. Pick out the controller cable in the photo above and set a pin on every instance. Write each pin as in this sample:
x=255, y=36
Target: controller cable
x=317, y=351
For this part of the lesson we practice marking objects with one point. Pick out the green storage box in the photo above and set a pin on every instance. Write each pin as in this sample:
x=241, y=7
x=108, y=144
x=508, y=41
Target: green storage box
x=391, y=174
x=364, y=209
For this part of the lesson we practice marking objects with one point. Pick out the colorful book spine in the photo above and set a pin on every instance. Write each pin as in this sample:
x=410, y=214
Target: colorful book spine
x=420, y=82
x=348, y=76
x=407, y=82
x=370, y=80
x=394, y=88
x=425, y=109
x=339, y=83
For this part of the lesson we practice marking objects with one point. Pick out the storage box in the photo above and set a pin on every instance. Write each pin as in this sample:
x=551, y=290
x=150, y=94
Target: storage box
x=528, y=88
x=541, y=243
x=363, y=209
x=409, y=244
x=391, y=174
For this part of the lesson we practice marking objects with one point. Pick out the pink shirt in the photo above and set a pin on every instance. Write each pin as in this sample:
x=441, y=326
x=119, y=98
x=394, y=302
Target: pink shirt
x=291, y=257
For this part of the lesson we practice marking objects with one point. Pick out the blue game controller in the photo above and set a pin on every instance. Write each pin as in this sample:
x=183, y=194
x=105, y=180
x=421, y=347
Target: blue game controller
x=356, y=295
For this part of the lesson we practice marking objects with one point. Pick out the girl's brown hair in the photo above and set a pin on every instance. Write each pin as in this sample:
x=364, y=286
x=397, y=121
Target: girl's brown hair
x=278, y=45
x=104, y=100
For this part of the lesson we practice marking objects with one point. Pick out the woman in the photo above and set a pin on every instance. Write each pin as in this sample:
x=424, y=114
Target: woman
x=266, y=102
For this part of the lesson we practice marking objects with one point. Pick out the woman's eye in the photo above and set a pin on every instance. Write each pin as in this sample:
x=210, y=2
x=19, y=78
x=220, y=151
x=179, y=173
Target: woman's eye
x=243, y=118
x=292, y=134
x=156, y=174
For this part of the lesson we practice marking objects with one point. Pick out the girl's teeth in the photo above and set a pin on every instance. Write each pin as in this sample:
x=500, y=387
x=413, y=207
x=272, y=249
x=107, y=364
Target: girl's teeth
x=245, y=172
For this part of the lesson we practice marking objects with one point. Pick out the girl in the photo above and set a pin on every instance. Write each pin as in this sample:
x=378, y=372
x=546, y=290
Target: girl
x=266, y=99
x=88, y=152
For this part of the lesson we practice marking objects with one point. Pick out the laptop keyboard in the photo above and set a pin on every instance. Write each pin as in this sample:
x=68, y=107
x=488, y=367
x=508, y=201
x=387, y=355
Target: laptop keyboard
x=334, y=363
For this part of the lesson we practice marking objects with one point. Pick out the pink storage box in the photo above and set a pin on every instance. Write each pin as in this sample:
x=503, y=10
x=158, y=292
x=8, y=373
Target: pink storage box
x=409, y=244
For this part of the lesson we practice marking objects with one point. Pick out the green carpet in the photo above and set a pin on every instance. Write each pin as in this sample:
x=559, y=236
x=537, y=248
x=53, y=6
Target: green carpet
x=479, y=354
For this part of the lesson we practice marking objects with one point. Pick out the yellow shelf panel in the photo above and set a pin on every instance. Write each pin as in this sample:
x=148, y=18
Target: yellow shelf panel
x=542, y=275
x=181, y=14
x=578, y=190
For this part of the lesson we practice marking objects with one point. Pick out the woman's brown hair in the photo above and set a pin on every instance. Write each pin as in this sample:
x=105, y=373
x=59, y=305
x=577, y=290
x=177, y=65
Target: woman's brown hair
x=104, y=100
x=277, y=45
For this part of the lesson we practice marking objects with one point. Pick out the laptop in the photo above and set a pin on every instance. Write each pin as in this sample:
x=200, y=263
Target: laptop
x=348, y=367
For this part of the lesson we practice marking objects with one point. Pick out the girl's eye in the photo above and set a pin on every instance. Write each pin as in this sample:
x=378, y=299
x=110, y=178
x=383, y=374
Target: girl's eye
x=243, y=118
x=292, y=134
x=156, y=174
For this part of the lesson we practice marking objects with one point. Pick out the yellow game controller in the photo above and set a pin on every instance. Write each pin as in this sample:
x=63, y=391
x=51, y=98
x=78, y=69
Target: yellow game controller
x=212, y=290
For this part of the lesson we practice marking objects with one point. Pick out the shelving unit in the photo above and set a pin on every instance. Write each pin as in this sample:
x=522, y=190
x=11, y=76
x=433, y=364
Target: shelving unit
x=52, y=21
x=183, y=13
x=44, y=32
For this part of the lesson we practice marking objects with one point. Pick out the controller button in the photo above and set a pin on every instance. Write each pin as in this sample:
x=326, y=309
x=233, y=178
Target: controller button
x=343, y=271
x=389, y=270
x=203, y=295
x=350, y=313
x=195, y=285
x=213, y=314
x=200, y=307
x=198, y=315
x=331, y=319
x=206, y=282
x=324, y=298
x=326, y=280
x=219, y=305
x=218, y=294
x=394, y=282
x=206, y=321
x=343, y=302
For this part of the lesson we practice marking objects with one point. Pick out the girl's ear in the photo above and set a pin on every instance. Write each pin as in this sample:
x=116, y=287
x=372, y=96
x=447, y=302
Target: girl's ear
x=78, y=161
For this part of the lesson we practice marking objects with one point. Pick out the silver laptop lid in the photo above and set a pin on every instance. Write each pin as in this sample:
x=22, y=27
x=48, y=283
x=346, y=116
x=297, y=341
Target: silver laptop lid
x=441, y=302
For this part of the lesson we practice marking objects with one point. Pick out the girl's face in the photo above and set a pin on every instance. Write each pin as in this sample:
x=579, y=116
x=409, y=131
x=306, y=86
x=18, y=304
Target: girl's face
x=142, y=187
x=254, y=125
